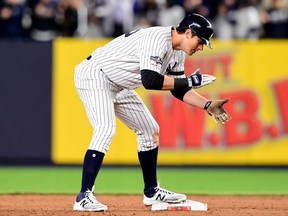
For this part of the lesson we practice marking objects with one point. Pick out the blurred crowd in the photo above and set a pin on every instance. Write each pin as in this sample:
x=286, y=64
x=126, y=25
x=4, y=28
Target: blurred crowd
x=44, y=20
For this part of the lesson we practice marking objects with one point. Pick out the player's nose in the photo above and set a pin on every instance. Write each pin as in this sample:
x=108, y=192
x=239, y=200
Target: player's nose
x=200, y=47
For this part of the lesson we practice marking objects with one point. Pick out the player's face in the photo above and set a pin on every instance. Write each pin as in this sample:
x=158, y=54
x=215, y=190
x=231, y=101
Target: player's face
x=193, y=44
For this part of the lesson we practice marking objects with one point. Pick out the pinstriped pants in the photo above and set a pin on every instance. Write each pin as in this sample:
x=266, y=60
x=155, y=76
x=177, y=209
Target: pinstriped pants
x=104, y=101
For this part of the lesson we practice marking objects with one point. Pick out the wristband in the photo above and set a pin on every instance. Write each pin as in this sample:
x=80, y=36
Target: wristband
x=208, y=103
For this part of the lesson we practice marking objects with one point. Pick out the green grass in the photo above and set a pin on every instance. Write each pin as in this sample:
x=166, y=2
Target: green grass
x=66, y=180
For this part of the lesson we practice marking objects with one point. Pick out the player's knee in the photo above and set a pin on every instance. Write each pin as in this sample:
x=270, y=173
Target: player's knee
x=155, y=138
x=155, y=134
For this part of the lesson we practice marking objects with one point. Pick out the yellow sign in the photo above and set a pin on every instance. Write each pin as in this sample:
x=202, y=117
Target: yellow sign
x=254, y=75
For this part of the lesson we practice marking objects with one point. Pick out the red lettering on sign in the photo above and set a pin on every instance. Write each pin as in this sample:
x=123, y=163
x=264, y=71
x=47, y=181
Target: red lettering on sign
x=245, y=126
x=178, y=121
x=281, y=93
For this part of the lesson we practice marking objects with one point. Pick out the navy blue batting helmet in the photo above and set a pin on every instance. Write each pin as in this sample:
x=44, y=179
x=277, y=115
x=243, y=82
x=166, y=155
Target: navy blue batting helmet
x=199, y=25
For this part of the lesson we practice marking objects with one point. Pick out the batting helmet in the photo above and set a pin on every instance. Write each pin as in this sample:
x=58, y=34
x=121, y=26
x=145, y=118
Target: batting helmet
x=199, y=25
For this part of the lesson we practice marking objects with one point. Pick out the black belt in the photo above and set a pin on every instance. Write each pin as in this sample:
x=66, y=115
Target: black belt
x=89, y=57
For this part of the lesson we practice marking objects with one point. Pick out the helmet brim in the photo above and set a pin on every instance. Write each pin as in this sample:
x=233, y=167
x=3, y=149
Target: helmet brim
x=206, y=42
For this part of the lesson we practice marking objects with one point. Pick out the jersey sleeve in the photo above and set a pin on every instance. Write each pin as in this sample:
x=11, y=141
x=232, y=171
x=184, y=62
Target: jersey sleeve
x=152, y=49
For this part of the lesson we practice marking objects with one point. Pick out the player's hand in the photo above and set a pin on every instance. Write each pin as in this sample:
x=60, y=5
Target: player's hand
x=197, y=80
x=216, y=110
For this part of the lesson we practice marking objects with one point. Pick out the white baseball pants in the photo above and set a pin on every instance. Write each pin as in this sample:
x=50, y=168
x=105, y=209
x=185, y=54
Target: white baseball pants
x=104, y=101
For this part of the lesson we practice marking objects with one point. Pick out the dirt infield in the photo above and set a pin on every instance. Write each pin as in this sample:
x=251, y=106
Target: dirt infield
x=120, y=205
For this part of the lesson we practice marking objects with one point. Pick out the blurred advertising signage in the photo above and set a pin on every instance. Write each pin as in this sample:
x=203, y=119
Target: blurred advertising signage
x=186, y=127
x=255, y=80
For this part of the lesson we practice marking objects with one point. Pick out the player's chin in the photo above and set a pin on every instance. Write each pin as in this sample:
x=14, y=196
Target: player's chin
x=191, y=52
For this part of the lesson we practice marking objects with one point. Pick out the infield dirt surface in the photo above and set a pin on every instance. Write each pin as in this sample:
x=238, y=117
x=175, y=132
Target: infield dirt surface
x=131, y=205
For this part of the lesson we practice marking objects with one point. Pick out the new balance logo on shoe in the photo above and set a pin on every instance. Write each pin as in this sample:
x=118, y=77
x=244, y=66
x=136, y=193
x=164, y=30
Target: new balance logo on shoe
x=83, y=203
x=88, y=202
x=160, y=198
x=163, y=195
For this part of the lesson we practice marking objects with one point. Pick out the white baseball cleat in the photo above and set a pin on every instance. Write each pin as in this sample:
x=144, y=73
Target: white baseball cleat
x=89, y=203
x=164, y=196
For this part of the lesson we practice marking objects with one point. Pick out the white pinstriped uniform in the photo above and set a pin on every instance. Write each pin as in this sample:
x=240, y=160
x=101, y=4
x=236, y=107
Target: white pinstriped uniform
x=106, y=81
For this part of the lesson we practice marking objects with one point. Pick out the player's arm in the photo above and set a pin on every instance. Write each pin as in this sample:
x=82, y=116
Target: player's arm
x=154, y=80
x=213, y=108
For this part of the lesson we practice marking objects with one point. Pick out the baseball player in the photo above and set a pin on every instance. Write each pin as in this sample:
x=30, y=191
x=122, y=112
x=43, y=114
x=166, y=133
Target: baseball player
x=105, y=81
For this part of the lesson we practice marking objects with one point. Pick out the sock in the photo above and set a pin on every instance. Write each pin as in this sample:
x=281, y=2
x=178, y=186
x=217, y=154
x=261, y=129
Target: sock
x=91, y=166
x=148, y=162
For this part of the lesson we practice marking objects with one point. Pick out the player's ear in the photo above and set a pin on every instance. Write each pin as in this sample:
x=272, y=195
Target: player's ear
x=188, y=33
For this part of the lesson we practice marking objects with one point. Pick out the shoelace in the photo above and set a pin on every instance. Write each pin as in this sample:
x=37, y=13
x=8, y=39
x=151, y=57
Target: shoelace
x=89, y=195
x=163, y=190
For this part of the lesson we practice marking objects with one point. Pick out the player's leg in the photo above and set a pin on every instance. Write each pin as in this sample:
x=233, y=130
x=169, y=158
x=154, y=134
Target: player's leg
x=98, y=103
x=100, y=111
x=131, y=110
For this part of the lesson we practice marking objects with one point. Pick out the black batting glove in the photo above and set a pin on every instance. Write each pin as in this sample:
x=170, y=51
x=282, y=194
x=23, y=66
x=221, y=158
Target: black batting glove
x=216, y=110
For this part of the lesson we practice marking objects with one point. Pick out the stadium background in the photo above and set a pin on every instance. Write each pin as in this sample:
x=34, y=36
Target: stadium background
x=43, y=121
x=44, y=131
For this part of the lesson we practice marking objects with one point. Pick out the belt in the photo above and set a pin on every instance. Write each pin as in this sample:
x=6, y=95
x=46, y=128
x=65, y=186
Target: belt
x=89, y=57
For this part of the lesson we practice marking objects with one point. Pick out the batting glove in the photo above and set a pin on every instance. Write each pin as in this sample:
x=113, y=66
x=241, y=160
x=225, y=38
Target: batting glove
x=197, y=80
x=216, y=110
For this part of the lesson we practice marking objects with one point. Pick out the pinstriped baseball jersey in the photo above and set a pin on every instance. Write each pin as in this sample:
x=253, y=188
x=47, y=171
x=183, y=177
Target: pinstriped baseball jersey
x=105, y=83
x=151, y=48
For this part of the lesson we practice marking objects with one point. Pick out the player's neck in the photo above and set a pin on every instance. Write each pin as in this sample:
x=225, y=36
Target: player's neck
x=176, y=40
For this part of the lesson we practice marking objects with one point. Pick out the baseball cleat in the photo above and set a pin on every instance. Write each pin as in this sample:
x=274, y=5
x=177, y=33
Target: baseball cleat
x=164, y=196
x=87, y=202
